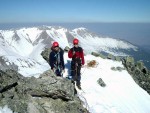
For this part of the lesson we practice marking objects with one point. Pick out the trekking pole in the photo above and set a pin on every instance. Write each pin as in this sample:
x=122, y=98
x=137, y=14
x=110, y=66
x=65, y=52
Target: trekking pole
x=86, y=103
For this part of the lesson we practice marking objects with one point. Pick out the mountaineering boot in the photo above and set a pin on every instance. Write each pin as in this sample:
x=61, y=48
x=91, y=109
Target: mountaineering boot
x=72, y=81
x=79, y=87
x=75, y=91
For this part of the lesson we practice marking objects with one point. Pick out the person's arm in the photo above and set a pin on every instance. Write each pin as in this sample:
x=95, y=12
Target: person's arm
x=51, y=59
x=82, y=57
x=62, y=60
x=70, y=54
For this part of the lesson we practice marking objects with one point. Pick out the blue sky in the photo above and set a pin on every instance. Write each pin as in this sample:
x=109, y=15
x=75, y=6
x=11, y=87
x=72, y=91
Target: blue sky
x=45, y=11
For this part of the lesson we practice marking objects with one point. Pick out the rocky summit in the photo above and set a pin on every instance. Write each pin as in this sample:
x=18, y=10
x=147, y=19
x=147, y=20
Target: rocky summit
x=46, y=94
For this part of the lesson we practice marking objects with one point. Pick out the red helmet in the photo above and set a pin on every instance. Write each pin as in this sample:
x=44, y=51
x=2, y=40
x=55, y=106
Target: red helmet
x=55, y=44
x=75, y=41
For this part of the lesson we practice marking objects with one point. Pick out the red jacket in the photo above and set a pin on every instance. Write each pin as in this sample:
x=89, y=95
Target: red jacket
x=78, y=53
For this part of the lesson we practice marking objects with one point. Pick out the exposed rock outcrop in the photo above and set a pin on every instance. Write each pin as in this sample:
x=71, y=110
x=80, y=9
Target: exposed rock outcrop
x=47, y=94
x=45, y=54
x=101, y=82
x=117, y=68
x=138, y=71
x=98, y=55
x=7, y=65
x=66, y=49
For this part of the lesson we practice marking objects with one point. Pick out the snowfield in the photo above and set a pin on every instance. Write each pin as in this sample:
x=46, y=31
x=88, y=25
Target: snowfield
x=121, y=94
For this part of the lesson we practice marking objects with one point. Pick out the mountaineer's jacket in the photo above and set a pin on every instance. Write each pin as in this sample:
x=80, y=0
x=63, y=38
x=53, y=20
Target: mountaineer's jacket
x=78, y=54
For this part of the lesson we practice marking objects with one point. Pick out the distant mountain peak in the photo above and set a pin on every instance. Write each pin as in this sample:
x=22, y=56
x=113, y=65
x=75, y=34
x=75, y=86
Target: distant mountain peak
x=80, y=28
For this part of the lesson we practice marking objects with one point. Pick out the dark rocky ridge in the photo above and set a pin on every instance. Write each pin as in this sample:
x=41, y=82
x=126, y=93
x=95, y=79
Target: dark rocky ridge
x=139, y=72
x=47, y=94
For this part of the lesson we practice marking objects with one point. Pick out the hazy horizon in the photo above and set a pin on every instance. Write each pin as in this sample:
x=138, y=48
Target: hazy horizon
x=44, y=11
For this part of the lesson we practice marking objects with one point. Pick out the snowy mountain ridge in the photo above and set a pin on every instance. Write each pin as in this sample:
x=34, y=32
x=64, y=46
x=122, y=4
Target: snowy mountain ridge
x=39, y=34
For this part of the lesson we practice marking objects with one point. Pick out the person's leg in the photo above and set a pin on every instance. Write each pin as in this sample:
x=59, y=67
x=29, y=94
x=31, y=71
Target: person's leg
x=72, y=71
x=78, y=80
x=79, y=77
x=58, y=73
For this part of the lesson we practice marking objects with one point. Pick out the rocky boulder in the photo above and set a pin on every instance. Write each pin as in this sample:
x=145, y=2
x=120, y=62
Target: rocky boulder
x=98, y=55
x=5, y=64
x=117, y=68
x=66, y=49
x=47, y=94
x=45, y=54
x=101, y=82
x=117, y=58
x=110, y=56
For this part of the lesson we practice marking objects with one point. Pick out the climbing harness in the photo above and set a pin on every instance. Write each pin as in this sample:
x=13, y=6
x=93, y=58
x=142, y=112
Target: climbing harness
x=58, y=68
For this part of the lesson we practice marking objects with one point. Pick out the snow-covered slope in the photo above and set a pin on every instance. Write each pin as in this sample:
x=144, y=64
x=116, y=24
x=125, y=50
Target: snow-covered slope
x=27, y=66
x=23, y=40
x=121, y=94
x=95, y=43
x=16, y=42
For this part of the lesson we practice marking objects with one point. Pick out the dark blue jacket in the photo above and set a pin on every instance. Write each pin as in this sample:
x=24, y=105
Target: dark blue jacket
x=53, y=59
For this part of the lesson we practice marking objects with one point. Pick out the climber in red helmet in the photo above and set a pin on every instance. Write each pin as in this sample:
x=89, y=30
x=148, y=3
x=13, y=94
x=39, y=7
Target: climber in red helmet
x=77, y=55
x=56, y=59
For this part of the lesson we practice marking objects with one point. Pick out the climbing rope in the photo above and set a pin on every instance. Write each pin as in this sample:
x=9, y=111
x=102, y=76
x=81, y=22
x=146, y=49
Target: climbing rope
x=86, y=104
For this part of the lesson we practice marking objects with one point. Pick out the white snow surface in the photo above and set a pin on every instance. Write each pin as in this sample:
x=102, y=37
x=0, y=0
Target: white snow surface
x=59, y=36
x=26, y=66
x=30, y=33
x=121, y=94
x=5, y=109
